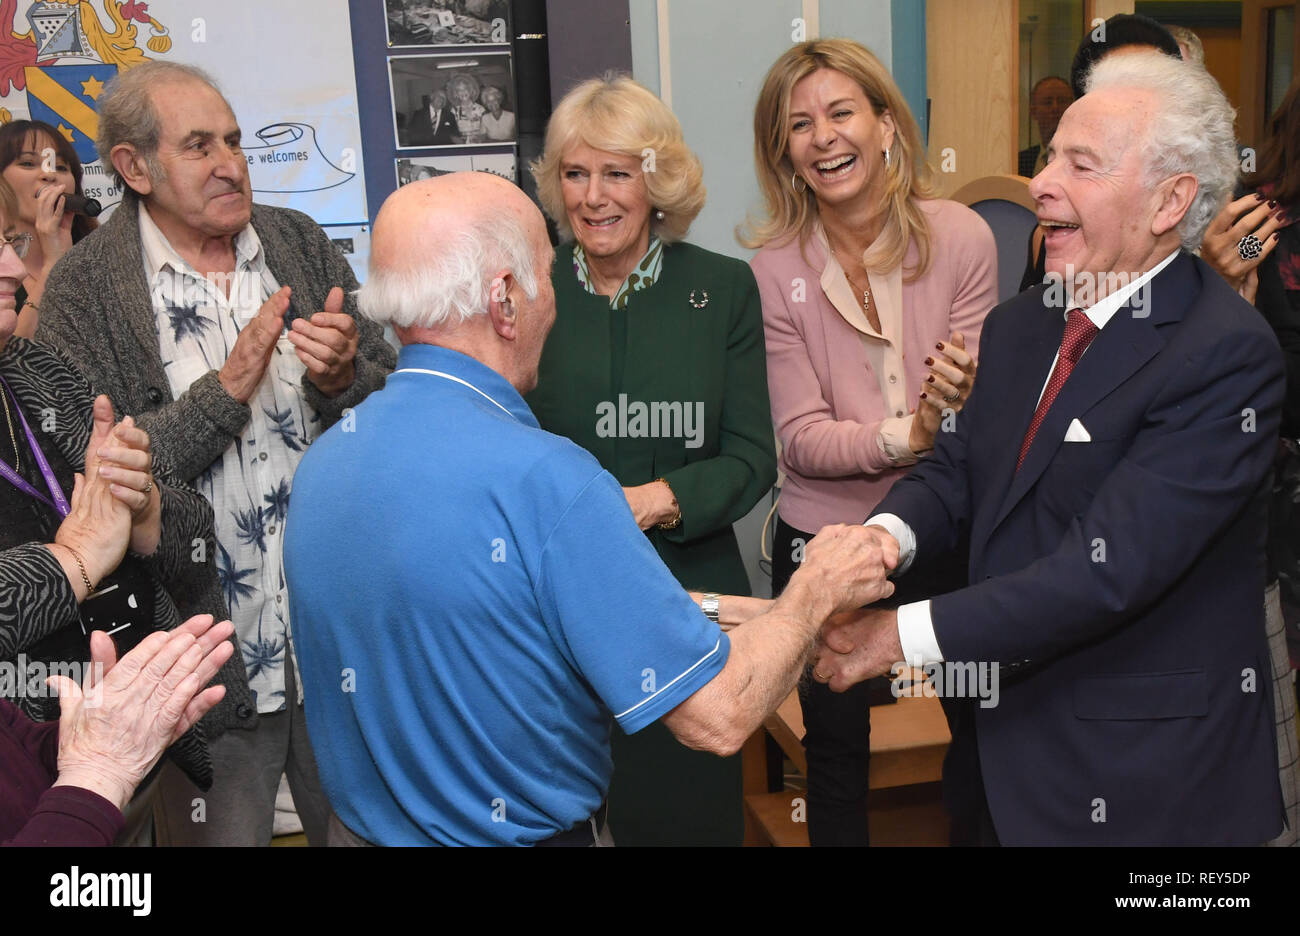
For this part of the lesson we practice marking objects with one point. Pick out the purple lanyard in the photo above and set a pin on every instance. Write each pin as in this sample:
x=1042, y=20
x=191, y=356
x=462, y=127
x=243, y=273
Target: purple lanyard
x=59, y=502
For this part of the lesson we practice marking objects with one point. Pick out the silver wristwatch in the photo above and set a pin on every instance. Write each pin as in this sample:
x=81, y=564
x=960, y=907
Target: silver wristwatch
x=709, y=605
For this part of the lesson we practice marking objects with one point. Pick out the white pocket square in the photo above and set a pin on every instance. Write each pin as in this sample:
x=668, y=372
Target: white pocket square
x=1076, y=433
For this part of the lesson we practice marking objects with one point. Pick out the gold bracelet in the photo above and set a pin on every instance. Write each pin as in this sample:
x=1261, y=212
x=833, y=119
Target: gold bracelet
x=82, y=567
x=676, y=521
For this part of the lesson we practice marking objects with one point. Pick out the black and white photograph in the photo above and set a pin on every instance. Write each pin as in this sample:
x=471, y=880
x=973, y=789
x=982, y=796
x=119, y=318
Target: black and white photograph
x=416, y=168
x=447, y=22
x=452, y=100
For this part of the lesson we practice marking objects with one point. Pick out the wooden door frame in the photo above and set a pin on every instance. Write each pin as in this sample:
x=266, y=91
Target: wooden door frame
x=1254, y=62
x=964, y=78
x=1103, y=9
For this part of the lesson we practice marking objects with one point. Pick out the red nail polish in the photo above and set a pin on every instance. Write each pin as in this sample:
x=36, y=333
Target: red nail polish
x=1276, y=235
x=922, y=394
x=1259, y=196
x=1272, y=204
x=929, y=361
x=930, y=379
x=939, y=346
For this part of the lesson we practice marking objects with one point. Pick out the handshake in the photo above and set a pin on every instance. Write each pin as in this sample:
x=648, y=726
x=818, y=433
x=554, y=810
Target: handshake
x=845, y=568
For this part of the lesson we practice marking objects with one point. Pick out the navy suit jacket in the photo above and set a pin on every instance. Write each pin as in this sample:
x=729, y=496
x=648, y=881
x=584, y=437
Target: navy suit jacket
x=1119, y=583
x=421, y=132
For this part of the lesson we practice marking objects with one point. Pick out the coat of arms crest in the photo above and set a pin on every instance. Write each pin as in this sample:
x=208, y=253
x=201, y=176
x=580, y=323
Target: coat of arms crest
x=67, y=55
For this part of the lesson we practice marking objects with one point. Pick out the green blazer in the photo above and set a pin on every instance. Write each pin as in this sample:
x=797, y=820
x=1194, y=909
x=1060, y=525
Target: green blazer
x=602, y=370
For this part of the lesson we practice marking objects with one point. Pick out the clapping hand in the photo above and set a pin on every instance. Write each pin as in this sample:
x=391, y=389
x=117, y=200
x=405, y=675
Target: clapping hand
x=97, y=529
x=125, y=460
x=947, y=386
x=246, y=364
x=113, y=730
x=327, y=345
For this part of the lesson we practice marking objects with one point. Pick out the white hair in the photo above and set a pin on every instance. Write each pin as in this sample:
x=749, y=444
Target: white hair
x=1189, y=131
x=452, y=284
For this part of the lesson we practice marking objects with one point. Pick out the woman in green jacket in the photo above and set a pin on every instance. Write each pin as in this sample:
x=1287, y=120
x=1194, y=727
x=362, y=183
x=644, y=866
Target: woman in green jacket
x=656, y=365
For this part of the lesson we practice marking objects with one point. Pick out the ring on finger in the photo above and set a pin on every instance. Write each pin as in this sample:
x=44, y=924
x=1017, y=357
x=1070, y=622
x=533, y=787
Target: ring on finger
x=1249, y=247
x=824, y=677
x=148, y=487
x=949, y=399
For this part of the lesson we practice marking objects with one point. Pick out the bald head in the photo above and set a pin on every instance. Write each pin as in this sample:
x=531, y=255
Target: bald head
x=438, y=245
x=423, y=220
x=463, y=261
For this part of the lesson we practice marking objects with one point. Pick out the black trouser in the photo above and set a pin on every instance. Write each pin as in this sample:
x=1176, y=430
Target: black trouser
x=837, y=741
x=970, y=823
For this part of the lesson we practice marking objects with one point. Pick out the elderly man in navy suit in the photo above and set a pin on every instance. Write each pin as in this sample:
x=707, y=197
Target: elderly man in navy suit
x=1111, y=470
x=432, y=124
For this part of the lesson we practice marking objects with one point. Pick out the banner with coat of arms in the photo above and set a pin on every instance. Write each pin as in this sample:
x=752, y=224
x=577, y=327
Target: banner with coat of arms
x=296, y=102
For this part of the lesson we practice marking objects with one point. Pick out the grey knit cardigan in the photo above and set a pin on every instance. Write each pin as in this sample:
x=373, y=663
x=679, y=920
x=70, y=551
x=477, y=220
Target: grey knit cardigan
x=97, y=310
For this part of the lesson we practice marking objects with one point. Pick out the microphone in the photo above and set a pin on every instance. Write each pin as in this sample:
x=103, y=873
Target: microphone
x=80, y=204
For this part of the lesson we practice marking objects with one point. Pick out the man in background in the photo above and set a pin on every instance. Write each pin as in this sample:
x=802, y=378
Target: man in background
x=433, y=124
x=1047, y=102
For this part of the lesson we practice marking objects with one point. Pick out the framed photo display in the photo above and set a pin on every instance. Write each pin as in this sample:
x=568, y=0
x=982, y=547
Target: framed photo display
x=414, y=168
x=452, y=100
x=447, y=22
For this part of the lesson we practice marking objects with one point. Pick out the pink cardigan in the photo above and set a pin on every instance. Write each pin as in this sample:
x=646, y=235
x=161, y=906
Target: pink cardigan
x=842, y=395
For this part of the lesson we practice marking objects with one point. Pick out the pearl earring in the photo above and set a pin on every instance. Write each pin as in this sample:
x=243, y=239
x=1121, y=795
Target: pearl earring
x=659, y=215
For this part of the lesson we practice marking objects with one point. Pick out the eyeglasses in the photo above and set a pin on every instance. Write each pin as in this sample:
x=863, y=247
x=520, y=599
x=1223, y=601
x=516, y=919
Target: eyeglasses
x=19, y=242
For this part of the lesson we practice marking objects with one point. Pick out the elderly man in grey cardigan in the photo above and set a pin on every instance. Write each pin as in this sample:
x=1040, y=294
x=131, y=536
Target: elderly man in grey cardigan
x=229, y=331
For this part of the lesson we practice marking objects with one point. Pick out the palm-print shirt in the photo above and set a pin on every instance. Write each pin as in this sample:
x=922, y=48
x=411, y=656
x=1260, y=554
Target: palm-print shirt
x=249, y=485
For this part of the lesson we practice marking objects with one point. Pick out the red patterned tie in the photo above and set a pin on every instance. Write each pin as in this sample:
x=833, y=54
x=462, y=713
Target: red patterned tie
x=1079, y=332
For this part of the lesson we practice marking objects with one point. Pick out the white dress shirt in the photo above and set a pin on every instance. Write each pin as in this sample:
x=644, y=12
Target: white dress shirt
x=915, y=627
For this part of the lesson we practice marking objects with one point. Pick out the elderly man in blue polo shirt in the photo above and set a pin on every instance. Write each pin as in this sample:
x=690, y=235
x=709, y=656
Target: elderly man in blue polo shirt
x=498, y=602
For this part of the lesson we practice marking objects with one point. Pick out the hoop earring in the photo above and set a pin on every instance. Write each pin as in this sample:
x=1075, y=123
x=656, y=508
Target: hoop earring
x=798, y=183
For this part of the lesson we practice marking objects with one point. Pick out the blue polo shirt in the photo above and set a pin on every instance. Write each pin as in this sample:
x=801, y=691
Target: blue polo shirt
x=471, y=601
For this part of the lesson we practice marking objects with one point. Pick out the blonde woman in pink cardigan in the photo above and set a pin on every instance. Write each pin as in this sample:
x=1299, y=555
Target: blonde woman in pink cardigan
x=873, y=293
